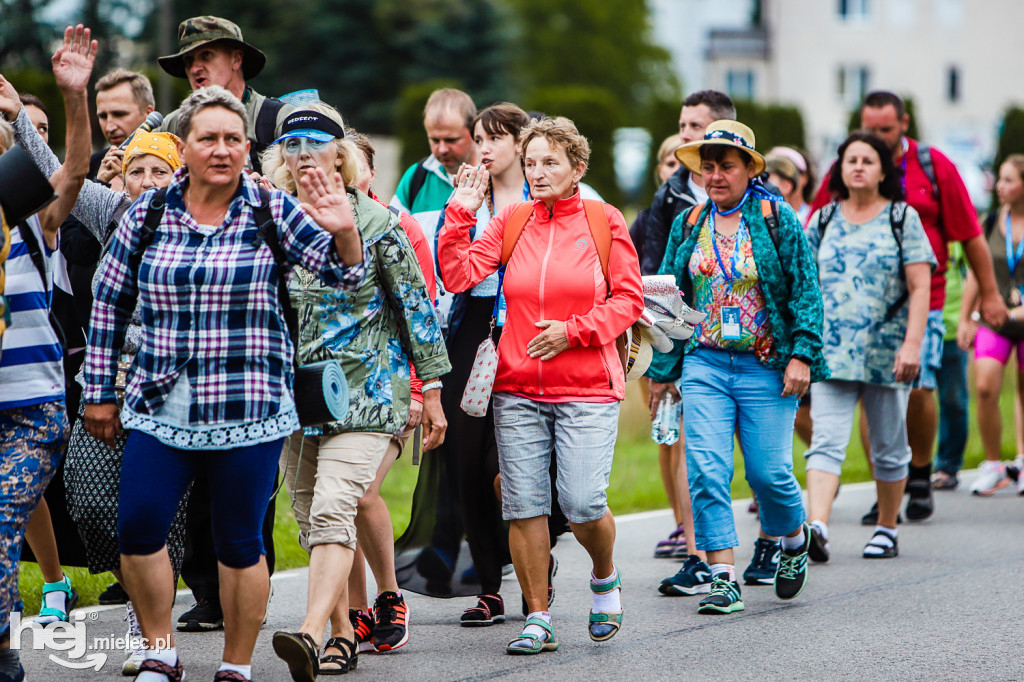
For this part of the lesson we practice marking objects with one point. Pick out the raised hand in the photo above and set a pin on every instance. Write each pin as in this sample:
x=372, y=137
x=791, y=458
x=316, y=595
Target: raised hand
x=471, y=185
x=73, y=61
x=10, y=105
x=329, y=205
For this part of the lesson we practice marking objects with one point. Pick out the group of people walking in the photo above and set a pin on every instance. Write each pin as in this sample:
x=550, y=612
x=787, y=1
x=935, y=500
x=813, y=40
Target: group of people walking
x=241, y=244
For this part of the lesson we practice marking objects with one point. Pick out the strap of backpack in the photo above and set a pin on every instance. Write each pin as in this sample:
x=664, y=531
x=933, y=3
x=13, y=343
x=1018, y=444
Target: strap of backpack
x=825, y=216
x=897, y=216
x=147, y=230
x=265, y=129
x=990, y=223
x=692, y=215
x=513, y=229
x=419, y=177
x=770, y=212
x=35, y=254
x=597, y=220
x=266, y=232
x=924, y=157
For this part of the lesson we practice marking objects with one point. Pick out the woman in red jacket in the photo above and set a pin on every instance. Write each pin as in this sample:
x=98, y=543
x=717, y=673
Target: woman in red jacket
x=559, y=380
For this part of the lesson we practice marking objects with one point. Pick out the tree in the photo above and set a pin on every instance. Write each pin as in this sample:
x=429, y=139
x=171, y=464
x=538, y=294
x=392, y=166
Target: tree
x=1011, y=141
x=908, y=104
x=774, y=125
x=24, y=40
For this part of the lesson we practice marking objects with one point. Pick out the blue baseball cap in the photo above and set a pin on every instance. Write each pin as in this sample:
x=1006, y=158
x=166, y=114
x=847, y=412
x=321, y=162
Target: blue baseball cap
x=311, y=125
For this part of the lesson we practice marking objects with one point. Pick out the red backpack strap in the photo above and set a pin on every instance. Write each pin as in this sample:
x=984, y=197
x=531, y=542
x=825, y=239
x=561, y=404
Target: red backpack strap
x=513, y=228
x=597, y=219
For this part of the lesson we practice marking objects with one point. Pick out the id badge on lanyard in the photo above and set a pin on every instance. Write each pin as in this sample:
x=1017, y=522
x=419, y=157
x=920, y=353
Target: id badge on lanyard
x=502, y=310
x=729, y=315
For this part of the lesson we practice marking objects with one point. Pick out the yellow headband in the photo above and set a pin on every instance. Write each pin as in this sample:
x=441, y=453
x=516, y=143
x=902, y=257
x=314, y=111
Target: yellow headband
x=160, y=145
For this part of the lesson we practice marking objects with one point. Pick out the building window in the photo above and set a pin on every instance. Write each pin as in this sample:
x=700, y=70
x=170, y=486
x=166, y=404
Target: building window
x=852, y=83
x=953, y=84
x=739, y=83
x=853, y=10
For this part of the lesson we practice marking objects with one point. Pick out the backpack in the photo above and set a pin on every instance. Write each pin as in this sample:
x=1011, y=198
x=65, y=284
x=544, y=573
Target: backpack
x=989, y=223
x=419, y=176
x=924, y=157
x=35, y=254
x=265, y=232
x=600, y=230
x=265, y=130
x=897, y=216
x=769, y=210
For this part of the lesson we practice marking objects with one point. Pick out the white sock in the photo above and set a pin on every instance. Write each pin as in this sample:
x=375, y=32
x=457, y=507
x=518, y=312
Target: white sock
x=822, y=528
x=609, y=602
x=536, y=629
x=880, y=539
x=54, y=600
x=244, y=670
x=795, y=542
x=168, y=656
x=717, y=569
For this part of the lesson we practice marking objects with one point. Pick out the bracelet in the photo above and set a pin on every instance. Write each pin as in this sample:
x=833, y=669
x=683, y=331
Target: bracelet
x=431, y=386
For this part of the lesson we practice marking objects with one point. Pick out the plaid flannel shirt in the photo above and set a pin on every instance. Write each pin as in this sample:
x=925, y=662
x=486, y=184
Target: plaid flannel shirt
x=209, y=307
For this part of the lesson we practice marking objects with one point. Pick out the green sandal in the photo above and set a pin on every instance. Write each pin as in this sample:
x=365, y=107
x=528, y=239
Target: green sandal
x=536, y=644
x=70, y=600
x=603, y=626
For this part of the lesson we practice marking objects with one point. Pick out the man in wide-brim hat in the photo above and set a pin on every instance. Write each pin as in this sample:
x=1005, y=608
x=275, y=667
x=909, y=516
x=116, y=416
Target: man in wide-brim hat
x=212, y=51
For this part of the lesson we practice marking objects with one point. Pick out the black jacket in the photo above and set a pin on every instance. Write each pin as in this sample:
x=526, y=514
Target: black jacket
x=671, y=199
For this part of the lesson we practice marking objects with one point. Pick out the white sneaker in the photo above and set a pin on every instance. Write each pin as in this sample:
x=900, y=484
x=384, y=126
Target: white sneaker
x=1017, y=473
x=991, y=478
x=134, y=639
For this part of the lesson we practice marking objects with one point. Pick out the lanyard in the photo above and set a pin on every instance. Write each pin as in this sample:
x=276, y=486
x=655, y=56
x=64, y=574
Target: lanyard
x=735, y=274
x=1013, y=258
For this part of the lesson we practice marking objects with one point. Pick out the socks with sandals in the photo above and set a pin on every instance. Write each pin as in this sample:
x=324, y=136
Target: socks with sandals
x=609, y=602
x=244, y=670
x=536, y=629
x=881, y=538
x=168, y=656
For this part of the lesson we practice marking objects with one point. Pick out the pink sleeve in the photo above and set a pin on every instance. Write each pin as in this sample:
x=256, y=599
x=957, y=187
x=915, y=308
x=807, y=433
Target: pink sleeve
x=607, y=320
x=465, y=263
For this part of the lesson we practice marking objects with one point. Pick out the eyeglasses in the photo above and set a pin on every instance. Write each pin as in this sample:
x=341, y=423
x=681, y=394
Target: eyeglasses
x=294, y=146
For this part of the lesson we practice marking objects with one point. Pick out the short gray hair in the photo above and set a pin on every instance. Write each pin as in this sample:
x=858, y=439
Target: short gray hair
x=210, y=96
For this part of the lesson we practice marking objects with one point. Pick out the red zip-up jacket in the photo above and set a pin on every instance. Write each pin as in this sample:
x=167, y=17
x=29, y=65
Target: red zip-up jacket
x=554, y=273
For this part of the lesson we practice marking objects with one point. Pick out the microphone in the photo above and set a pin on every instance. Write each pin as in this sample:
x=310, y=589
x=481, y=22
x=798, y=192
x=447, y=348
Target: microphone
x=154, y=119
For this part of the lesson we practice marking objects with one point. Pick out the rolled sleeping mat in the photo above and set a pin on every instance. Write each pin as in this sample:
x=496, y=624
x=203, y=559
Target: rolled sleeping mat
x=321, y=393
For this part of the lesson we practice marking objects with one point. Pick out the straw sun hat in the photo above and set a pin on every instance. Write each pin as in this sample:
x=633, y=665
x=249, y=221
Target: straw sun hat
x=724, y=132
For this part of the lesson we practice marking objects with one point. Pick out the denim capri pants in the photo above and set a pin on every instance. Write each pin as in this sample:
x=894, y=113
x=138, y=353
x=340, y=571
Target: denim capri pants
x=582, y=436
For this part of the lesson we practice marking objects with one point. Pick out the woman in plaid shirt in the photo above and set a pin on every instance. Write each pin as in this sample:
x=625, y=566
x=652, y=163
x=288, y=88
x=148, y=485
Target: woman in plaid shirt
x=211, y=387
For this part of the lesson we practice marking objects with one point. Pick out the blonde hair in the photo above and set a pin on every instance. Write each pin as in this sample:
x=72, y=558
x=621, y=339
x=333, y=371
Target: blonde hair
x=277, y=170
x=559, y=132
x=6, y=136
x=668, y=148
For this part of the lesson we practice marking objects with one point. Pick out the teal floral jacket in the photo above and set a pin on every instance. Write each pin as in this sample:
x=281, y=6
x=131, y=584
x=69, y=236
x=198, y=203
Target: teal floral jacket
x=789, y=281
x=376, y=330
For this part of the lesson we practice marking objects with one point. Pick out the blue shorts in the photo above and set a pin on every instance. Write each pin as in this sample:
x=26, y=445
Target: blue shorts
x=931, y=352
x=582, y=435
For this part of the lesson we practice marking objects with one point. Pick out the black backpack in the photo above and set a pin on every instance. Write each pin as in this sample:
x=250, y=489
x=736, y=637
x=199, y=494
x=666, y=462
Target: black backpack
x=419, y=176
x=266, y=232
x=897, y=217
x=265, y=130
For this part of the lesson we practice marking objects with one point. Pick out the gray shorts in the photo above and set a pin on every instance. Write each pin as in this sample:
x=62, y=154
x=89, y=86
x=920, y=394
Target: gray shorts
x=582, y=435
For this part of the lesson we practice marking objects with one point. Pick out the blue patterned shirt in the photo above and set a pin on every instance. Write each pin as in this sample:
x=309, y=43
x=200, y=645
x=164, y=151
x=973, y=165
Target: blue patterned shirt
x=209, y=307
x=858, y=266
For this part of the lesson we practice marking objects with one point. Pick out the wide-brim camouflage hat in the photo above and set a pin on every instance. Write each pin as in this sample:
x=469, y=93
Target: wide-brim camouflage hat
x=198, y=31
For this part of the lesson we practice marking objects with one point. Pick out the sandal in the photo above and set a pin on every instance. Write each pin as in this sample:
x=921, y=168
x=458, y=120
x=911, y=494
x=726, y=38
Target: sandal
x=173, y=673
x=888, y=551
x=489, y=609
x=536, y=644
x=600, y=622
x=346, y=661
x=229, y=676
x=300, y=652
x=70, y=599
x=943, y=481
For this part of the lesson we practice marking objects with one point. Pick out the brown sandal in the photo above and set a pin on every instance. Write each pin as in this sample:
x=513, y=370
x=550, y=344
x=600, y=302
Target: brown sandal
x=300, y=652
x=345, y=661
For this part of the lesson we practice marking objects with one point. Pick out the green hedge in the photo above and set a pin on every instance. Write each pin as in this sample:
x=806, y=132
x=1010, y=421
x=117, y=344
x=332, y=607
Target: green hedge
x=774, y=125
x=409, y=119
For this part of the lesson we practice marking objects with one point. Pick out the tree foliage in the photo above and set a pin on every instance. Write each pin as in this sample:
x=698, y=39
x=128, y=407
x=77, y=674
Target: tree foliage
x=24, y=40
x=774, y=125
x=908, y=104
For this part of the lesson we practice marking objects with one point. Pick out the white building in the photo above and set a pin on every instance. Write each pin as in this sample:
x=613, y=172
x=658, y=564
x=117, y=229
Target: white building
x=958, y=60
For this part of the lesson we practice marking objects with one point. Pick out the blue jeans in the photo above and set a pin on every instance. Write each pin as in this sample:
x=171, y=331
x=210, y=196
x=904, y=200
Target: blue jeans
x=954, y=417
x=724, y=392
x=155, y=476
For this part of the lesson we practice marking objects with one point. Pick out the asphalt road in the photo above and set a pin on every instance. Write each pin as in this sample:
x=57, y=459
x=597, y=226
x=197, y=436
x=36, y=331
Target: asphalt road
x=947, y=608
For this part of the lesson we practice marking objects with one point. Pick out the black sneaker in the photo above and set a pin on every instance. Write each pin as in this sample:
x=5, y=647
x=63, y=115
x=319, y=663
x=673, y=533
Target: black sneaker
x=818, y=551
x=763, y=565
x=871, y=518
x=791, y=576
x=204, y=616
x=920, y=506
x=362, y=626
x=390, y=622
x=724, y=596
x=114, y=594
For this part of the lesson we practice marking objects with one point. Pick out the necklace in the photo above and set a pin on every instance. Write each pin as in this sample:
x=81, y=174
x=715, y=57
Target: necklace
x=187, y=199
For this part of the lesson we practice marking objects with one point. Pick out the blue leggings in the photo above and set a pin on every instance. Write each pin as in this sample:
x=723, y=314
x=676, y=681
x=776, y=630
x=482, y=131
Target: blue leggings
x=155, y=476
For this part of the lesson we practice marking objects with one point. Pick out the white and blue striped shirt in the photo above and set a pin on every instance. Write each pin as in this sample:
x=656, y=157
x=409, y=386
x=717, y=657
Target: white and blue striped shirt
x=31, y=365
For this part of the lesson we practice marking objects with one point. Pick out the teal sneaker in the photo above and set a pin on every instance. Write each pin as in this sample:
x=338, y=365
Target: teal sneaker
x=791, y=575
x=724, y=597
